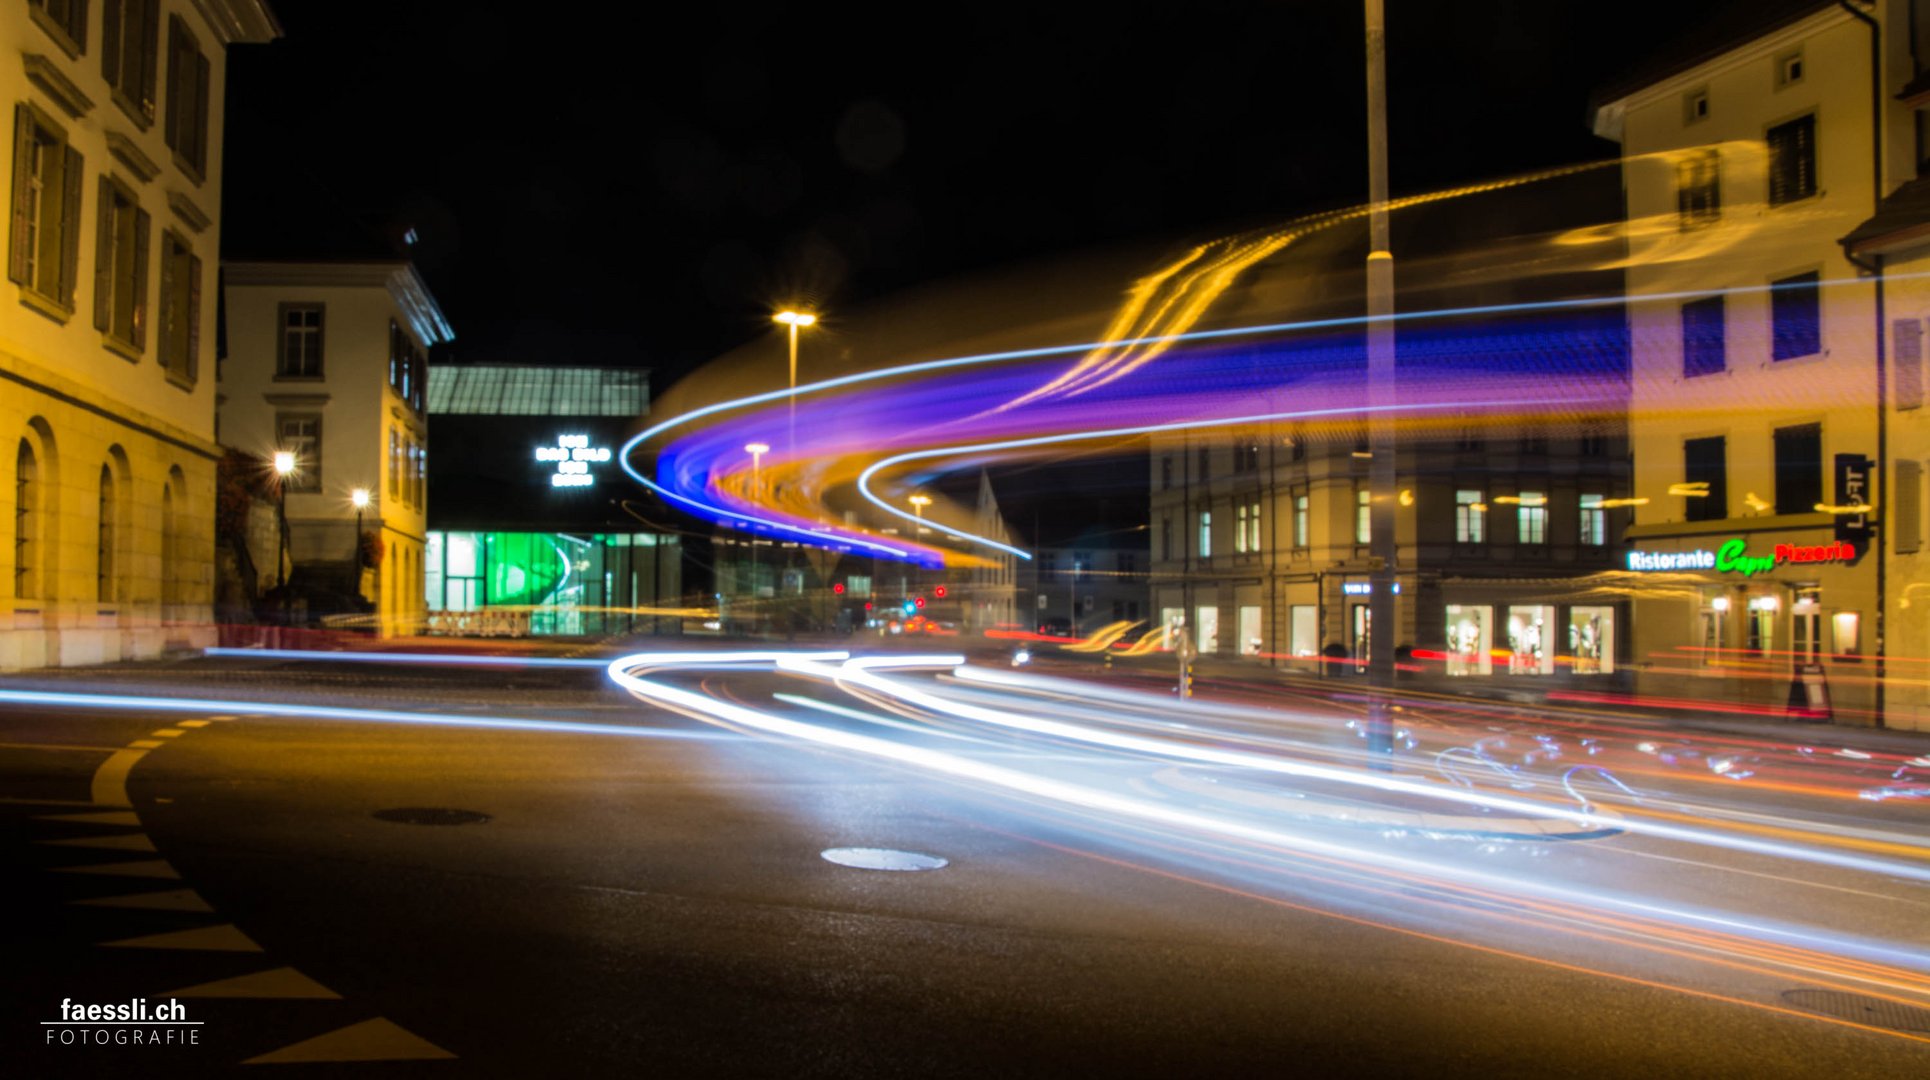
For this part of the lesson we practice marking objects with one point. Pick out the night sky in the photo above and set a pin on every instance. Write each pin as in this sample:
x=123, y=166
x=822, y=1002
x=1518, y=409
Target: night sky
x=642, y=188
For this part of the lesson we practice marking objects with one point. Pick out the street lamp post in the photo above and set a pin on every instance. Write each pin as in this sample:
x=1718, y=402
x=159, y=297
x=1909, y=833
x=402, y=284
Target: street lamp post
x=918, y=504
x=796, y=320
x=359, y=498
x=756, y=450
x=284, y=468
x=1383, y=548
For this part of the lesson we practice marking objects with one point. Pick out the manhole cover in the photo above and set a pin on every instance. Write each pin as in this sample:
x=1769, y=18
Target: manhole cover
x=871, y=858
x=432, y=815
x=1874, y=1011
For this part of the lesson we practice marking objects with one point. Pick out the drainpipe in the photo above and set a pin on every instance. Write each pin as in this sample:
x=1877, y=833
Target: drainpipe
x=1875, y=267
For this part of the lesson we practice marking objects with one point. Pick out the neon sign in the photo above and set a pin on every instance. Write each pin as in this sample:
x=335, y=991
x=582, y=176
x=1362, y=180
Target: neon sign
x=573, y=456
x=1733, y=557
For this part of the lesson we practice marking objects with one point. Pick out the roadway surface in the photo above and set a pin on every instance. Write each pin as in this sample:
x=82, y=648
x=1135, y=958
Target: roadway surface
x=647, y=894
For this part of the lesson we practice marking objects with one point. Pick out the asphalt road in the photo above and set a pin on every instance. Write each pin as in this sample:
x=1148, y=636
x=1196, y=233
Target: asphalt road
x=656, y=904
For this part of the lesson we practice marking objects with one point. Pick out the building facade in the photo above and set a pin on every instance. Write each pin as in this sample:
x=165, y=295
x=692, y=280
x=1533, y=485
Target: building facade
x=1260, y=547
x=1776, y=361
x=107, y=348
x=535, y=529
x=328, y=361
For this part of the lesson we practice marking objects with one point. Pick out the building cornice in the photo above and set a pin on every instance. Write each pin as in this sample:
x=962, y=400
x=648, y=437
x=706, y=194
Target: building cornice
x=1607, y=117
x=399, y=276
x=246, y=21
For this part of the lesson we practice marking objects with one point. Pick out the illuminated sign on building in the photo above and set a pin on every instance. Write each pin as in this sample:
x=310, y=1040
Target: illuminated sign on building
x=1362, y=588
x=1733, y=558
x=573, y=456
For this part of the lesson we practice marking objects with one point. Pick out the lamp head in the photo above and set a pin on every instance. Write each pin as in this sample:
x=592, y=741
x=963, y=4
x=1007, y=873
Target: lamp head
x=284, y=462
x=795, y=318
x=757, y=448
x=360, y=498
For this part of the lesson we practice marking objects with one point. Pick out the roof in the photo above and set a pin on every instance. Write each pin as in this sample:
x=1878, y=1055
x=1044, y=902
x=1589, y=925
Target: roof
x=1722, y=30
x=533, y=390
x=399, y=276
x=1901, y=221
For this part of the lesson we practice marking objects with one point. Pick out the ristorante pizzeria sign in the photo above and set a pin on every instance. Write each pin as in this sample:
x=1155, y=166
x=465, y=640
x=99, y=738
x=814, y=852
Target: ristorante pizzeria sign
x=1733, y=558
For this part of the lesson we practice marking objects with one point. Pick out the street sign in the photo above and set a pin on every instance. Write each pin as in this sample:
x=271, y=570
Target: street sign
x=1855, y=484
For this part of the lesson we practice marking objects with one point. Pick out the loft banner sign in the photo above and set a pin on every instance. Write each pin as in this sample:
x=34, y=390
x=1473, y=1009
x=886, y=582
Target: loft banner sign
x=1733, y=557
x=1855, y=484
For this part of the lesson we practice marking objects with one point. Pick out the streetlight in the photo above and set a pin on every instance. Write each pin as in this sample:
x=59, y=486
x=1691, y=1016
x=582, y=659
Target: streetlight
x=918, y=504
x=284, y=468
x=795, y=320
x=359, y=498
x=756, y=450
x=1383, y=547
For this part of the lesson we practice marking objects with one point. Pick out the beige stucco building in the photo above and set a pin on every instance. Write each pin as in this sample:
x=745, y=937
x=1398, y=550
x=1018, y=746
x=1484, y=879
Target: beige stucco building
x=328, y=361
x=1768, y=401
x=107, y=339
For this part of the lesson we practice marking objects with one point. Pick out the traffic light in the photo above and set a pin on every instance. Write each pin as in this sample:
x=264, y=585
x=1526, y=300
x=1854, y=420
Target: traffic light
x=920, y=601
x=939, y=592
x=837, y=587
x=910, y=607
x=867, y=605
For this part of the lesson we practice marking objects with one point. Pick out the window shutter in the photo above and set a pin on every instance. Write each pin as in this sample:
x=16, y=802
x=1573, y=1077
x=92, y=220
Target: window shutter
x=193, y=365
x=1907, y=334
x=104, y=250
x=70, y=179
x=142, y=222
x=1906, y=519
x=111, y=40
x=177, y=78
x=150, y=54
x=200, y=117
x=23, y=139
x=169, y=308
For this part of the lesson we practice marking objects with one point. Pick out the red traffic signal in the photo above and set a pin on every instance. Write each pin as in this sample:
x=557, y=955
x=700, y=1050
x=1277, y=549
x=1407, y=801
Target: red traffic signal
x=920, y=601
x=867, y=605
x=939, y=592
x=838, y=587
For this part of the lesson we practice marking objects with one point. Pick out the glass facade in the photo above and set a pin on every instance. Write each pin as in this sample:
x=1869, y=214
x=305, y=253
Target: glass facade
x=549, y=583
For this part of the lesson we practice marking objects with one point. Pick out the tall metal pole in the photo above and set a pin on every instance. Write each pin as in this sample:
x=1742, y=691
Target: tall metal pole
x=1382, y=547
x=791, y=446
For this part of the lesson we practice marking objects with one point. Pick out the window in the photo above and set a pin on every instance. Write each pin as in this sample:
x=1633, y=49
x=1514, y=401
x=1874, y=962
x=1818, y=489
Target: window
x=1470, y=640
x=1303, y=630
x=299, y=350
x=1906, y=337
x=120, y=268
x=1792, y=161
x=1698, y=189
x=1531, y=525
x=130, y=48
x=26, y=522
x=1704, y=350
x=1705, y=462
x=1789, y=68
x=1469, y=441
x=1470, y=517
x=1534, y=444
x=1300, y=521
x=1363, y=516
x=1166, y=473
x=1594, y=444
x=1206, y=464
x=1799, y=469
x=1253, y=526
x=1695, y=106
x=64, y=20
x=1126, y=563
x=1166, y=538
x=395, y=464
x=1239, y=529
x=1906, y=514
x=1594, y=521
x=180, y=309
x=1795, y=314
x=44, y=253
x=187, y=119
x=1246, y=456
x=1206, y=534
x=421, y=475
x=104, y=540
x=1297, y=449
x=301, y=434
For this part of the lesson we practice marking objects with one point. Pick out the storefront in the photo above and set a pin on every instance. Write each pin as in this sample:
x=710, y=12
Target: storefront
x=1773, y=622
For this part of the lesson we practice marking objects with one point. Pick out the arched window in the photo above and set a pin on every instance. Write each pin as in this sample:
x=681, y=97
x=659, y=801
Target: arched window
x=26, y=523
x=104, y=542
